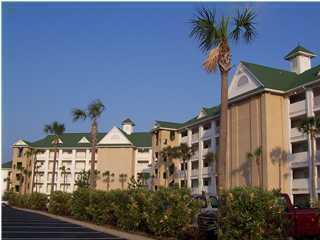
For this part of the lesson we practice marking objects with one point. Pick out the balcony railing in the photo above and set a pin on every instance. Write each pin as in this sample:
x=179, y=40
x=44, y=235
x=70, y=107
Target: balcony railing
x=295, y=133
x=298, y=107
x=207, y=133
x=195, y=137
x=300, y=184
x=184, y=139
x=207, y=170
x=316, y=101
x=194, y=172
x=195, y=155
x=299, y=157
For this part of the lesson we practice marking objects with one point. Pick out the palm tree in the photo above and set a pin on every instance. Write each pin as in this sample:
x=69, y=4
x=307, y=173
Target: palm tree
x=167, y=155
x=311, y=127
x=214, y=37
x=29, y=154
x=108, y=178
x=93, y=111
x=27, y=174
x=64, y=172
x=122, y=179
x=184, y=152
x=56, y=129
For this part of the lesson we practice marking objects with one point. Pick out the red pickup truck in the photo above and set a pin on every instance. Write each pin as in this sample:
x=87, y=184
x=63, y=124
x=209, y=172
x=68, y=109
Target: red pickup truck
x=305, y=221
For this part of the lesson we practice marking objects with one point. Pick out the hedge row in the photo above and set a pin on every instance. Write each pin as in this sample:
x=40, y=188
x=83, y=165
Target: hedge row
x=167, y=212
x=36, y=201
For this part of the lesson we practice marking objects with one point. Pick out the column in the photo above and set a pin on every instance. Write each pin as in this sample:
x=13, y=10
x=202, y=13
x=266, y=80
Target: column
x=73, y=170
x=200, y=177
x=46, y=169
x=214, y=150
x=189, y=162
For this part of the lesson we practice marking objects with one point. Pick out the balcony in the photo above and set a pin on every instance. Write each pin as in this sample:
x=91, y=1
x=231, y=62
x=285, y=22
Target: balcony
x=184, y=139
x=298, y=108
x=41, y=156
x=81, y=155
x=301, y=157
x=207, y=171
x=207, y=134
x=195, y=137
x=195, y=155
x=300, y=184
x=194, y=172
x=195, y=190
x=295, y=133
x=316, y=102
x=66, y=155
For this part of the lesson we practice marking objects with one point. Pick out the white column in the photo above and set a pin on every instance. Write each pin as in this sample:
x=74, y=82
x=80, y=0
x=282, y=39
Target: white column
x=200, y=177
x=73, y=169
x=214, y=150
x=189, y=162
x=46, y=166
x=88, y=158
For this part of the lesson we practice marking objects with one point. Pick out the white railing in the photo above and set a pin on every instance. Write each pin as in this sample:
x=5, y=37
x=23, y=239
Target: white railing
x=66, y=155
x=195, y=155
x=194, y=172
x=51, y=155
x=195, y=190
x=195, y=137
x=295, y=133
x=80, y=155
x=316, y=102
x=300, y=184
x=205, y=151
x=41, y=156
x=184, y=139
x=207, y=133
x=298, y=107
x=299, y=157
x=207, y=170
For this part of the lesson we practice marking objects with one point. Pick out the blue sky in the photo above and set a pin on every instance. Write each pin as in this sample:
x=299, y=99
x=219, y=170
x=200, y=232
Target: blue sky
x=137, y=58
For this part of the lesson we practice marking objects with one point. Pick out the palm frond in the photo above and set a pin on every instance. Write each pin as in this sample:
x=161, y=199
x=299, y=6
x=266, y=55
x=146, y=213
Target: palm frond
x=244, y=25
x=47, y=129
x=210, y=64
x=55, y=128
x=95, y=109
x=78, y=114
x=204, y=29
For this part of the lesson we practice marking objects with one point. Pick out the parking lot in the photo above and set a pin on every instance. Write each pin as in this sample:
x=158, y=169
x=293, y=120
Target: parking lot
x=17, y=224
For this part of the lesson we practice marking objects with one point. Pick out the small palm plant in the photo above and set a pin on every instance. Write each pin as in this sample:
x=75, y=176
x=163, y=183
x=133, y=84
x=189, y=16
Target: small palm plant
x=122, y=179
x=56, y=129
x=184, y=152
x=311, y=127
x=29, y=154
x=108, y=177
x=93, y=111
x=64, y=173
x=214, y=39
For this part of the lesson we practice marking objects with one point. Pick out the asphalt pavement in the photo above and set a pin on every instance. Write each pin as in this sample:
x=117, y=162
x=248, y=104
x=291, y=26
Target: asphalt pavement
x=18, y=224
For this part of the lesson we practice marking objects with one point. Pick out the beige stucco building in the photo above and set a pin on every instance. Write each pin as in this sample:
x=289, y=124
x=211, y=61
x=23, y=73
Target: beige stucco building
x=121, y=151
x=265, y=107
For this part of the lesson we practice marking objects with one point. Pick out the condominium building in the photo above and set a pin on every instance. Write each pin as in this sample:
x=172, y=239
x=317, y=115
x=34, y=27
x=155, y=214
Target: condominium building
x=265, y=106
x=121, y=151
x=5, y=176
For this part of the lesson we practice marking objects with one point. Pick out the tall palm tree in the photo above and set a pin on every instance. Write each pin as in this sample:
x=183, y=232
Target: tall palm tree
x=184, y=152
x=214, y=39
x=56, y=129
x=311, y=127
x=108, y=178
x=122, y=179
x=93, y=111
x=31, y=152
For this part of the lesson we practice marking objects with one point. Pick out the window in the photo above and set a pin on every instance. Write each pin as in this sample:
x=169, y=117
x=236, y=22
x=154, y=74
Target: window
x=17, y=188
x=297, y=97
x=195, y=147
x=143, y=161
x=299, y=173
x=184, y=133
x=143, y=150
x=194, y=165
x=19, y=165
x=298, y=147
x=301, y=200
x=296, y=121
x=172, y=135
x=171, y=169
x=206, y=181
x=183, y=183
x=207, y=126
x=165, y=141
x=195, y=130
x=206, y=163
x=164, y=175
x=207, y=144
x=20, y=151
x=157, y=138
x=156, y=154
x=183, y=166
x=194, y=183
x=156, y=171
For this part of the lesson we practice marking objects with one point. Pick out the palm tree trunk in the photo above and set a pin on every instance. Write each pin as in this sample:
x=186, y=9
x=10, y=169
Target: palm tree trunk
x=221, y=183
x=259, y=173
x=185, y=172
x=54, y=169
x=93, y=153
x=314, y=195
x=34, y=172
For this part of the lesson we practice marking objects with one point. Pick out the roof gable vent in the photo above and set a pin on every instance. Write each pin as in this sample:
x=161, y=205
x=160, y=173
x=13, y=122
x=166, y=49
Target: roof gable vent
x=202, y=113
x=60, y=142
x=83, y=140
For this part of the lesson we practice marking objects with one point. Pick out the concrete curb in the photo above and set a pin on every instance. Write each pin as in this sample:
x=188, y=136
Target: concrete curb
x=104, y=229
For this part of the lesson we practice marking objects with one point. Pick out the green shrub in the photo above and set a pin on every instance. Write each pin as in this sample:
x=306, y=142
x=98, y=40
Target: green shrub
x=251, y=213
x=170, y=210
x=37, y=201
x=80, y=203
x=60, y=203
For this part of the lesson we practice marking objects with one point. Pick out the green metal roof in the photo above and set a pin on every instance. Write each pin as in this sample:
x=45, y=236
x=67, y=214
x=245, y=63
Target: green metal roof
x=296, y=50
x=7, y=164
x=71, y=140
x=163, y=124
x=210, y=112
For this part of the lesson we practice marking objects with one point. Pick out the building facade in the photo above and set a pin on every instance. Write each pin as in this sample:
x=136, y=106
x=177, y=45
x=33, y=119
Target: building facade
x=265, y=107
x=5, y=176
x=121, y=152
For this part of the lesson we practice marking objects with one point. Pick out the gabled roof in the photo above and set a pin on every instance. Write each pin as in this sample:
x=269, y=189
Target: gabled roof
x=140, y=139
x=163, y=124
x=278, y=79
x=210, y=112
x=6, y=165
x=297, y=50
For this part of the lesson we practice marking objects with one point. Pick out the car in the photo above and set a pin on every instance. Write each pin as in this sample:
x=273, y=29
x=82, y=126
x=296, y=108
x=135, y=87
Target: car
x=304, y=222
